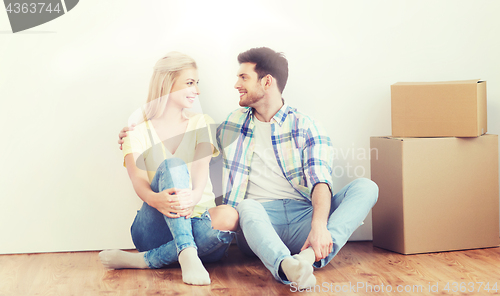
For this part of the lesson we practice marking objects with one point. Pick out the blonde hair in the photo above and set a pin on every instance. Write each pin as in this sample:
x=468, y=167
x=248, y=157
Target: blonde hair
x=166, y=71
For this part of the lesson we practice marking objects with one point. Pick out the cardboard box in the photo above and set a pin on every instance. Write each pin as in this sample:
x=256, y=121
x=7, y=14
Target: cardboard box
x=436, y=194
x=439, y=109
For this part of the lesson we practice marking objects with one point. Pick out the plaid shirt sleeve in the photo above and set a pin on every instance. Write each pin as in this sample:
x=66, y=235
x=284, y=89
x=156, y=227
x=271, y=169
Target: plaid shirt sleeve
x=303, y=150
x=233, y=139
x=317, y=156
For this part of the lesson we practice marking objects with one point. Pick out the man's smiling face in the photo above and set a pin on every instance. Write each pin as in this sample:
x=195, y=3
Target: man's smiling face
x=249, y=85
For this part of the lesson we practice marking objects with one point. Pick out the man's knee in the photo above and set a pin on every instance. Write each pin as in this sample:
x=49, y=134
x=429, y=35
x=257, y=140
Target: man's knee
x=250, y=211
x=370, y=189
x=246, y=205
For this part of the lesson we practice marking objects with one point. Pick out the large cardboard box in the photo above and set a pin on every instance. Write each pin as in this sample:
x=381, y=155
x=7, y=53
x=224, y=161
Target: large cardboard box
x=436, y=194
x=439, y=109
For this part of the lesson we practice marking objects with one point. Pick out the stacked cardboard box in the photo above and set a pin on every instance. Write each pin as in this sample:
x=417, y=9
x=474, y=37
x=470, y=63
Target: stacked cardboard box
x=438, y=173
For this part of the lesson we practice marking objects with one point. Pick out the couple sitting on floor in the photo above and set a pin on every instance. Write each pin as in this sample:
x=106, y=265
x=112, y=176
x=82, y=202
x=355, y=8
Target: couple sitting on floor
x=277, y=178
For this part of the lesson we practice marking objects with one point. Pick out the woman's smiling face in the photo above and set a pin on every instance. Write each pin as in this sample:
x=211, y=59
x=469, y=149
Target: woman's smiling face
x=185, y=88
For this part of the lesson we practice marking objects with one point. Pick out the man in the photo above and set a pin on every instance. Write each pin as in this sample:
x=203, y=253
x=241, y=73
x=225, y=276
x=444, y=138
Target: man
x=277, y=173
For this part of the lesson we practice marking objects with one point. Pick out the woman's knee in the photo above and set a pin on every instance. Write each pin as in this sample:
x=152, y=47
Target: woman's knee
x=224, y=218
x=171, y=173
x=172, y=166
x=173, y=162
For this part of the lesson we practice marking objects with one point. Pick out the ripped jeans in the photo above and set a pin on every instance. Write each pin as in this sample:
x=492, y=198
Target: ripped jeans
x=163, y=238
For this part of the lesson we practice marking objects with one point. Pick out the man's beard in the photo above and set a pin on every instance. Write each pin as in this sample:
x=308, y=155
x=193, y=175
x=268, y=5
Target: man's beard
x=252, y=98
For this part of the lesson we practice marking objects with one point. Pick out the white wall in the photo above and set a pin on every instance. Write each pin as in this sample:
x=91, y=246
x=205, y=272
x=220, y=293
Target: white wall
x=67, y=87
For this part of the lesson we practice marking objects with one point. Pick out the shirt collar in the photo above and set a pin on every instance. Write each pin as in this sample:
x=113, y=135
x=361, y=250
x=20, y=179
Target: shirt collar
x=279, y=117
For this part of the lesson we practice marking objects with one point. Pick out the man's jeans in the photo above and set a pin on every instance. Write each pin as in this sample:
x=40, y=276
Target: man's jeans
x=163, y=238
x=277, y=229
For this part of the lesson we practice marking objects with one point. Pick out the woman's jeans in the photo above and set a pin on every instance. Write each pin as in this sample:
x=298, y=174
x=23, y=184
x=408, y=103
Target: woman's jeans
x=164, y=238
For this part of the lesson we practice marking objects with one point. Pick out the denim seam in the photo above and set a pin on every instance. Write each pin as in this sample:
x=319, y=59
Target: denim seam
x=286, y=213
x=150, y=265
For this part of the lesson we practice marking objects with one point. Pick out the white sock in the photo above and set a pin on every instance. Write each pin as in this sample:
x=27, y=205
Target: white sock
x=193, y=271
x=299, y=271
x=308, y=255
x=118, y=259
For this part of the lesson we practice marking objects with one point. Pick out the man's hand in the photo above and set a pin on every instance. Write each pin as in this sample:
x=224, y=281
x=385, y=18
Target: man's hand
x=320, y=240
x=123, y=134
x=173, y=202
x=319, y=237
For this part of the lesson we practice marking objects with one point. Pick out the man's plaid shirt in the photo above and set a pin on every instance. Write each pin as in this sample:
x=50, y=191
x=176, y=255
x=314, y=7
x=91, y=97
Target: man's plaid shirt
x=303, y=150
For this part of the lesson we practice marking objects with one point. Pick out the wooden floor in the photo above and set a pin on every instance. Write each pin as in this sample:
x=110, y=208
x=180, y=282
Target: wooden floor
x=359, y=269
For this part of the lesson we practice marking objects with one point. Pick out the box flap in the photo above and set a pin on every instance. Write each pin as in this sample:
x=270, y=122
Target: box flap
x=441, y=82
x=387, y=137
x=439, y=109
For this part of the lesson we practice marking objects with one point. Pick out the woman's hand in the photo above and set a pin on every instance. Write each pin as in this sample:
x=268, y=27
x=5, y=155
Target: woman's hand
x=186, y=202
x=123, y=134
x=186, y=213
x=173, y=202
x=185, y=197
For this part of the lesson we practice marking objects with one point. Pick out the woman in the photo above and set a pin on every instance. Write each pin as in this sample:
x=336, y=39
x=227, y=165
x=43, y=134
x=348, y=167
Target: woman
x=167, y=157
